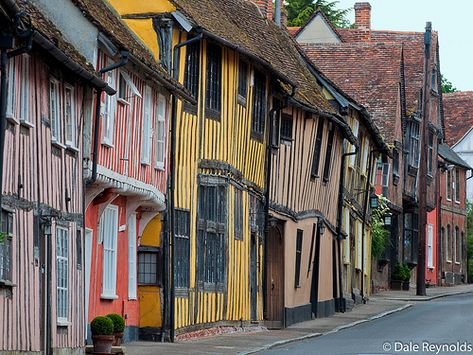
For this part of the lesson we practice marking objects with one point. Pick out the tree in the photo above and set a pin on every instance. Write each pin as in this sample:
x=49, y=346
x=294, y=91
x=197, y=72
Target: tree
x=447, y=86
x=299, y=12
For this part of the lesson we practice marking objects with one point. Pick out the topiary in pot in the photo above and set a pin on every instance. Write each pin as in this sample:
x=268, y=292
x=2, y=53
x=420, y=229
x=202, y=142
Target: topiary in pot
x=102, y=334
x=118, y=327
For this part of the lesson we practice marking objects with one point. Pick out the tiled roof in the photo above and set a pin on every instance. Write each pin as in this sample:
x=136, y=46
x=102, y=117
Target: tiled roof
x=293, y=30
x=369, y=72
x=458, y=111
x=108, y=21
x=238, y=23
x=452, y=157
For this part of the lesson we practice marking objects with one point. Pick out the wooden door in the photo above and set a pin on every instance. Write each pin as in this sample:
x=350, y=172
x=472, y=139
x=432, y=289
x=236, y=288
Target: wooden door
x=253, y=276
x=275, y=278
x=314, y=291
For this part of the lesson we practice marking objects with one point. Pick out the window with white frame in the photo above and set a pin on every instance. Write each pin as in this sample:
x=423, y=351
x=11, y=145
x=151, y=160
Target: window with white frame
x=132, y=269
x=347, y=240
x=11, y=88
x=160, y=132
x=54, y=113
x=146, y=129
x=109, y=234
x=356, y=126
x=25, y=89
x=359, y=248
x=366, y=152
x=108, y=111
x=430, y=246
x=62, y=270
x=457, y=185
x=6, y=252
x=448, y=186
x=70, y=115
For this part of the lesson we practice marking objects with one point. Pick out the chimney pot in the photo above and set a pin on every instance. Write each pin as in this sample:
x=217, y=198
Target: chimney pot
x=363, y=16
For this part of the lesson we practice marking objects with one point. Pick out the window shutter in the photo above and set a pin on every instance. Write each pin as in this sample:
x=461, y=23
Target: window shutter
x=110, y=230
x=132, y=257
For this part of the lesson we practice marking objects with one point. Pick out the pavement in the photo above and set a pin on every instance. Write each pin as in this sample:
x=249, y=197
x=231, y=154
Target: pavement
x=247, y=341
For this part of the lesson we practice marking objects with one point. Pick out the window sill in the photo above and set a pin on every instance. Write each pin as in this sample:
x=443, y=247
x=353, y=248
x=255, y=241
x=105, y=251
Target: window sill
x=457, y=202
x=449, y=261
x=108, y=297
x=6, y=284
x=145, y=163
x=412, y=170
x=63, y=323
x=123, y=101
x=12, y=119
x=257, y=136
x=159, y=167
x=213, y=114
x=27, y=124
x=72, y=148
x=241, y=101
x=286, y=141
x=457, y=263
x=396, y=178
x=58, y=144
x=107, y=144
x=346, y=263
x=189, y=108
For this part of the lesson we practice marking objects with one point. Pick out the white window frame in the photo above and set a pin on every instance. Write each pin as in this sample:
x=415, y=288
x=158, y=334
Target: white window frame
x=430, y=246
x=25, y=89
x=11, y=90
x=62, y=257
x=449, y=190
x=359, y=250
x=456, y=175
x=128, y=82
x=160, y=139
x=366, y=151
x=385, y=177
x=447, y=244
x=347, y=239
x=132, y=258
x=356, y=126
x=146, y=126
x=109, y=111
x=109, y=236
x=55, y=119
x=72, y=124
x=456, y=231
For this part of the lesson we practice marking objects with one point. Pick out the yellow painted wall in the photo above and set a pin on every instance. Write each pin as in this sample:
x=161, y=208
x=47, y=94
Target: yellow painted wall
x=143, y=28
x=124, y=7
x=149, y=296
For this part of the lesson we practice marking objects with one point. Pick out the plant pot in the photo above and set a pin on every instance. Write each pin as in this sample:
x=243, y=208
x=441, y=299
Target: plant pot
x=118, y=339
x=405, y=285
x=103, y=343
x=396, y=285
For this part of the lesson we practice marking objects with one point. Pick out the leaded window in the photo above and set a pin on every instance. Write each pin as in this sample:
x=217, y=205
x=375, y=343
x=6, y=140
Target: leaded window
x=238, y=214
x=259, y=105
x=414, y=138
x=191, y=73
x=149, y=266
x=242, y=82
x=213, y=96
x=182, y=240
x=328, y=153
x=286, y=127
x=62, y=271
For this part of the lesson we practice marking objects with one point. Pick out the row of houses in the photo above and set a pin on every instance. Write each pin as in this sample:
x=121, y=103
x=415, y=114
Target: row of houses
x=196, y=164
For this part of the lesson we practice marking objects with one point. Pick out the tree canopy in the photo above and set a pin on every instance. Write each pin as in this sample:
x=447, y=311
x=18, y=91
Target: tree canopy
x=299, y=12
x=447, y=86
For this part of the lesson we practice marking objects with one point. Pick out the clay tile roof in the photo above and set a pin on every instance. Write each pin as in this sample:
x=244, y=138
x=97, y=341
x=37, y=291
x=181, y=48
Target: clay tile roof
x=293, y=30
x=108, y=21
x=239, y=23
x=449, y=155
x=458, y=112
x=374, y=83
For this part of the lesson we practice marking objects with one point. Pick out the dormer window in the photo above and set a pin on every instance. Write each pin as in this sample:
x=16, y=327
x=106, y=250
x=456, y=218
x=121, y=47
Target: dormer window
x=163, y=28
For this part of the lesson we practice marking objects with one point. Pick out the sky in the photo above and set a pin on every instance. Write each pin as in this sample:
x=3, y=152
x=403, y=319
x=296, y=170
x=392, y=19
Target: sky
x=452, y=20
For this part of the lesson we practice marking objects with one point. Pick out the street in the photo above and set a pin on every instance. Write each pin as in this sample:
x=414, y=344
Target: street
x=444, y=321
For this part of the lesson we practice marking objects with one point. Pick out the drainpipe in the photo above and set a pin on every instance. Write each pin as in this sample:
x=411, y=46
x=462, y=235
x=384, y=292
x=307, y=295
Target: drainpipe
x=123, y=61
x=172, y=182
x=341, y=299
x=277, y=13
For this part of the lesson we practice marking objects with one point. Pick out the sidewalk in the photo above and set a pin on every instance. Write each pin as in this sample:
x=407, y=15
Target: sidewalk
x=247, y=342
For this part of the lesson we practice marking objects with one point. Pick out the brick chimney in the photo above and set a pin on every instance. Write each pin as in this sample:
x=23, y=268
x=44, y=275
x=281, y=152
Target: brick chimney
x=363, y=16
x=266, y=7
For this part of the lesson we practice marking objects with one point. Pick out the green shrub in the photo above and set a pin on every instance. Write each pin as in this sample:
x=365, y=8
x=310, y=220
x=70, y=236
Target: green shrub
x=379, y=239
x=401, y=272
x=101, y=326
x=118, y=322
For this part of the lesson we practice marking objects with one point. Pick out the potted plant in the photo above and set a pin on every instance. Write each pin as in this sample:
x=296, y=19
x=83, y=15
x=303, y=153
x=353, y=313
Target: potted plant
x=118, y=327
x=400, y=277
x=102, y=334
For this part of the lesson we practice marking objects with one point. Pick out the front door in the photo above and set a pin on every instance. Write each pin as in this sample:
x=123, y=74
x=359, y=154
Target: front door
x=314, y=291
x=275, y=278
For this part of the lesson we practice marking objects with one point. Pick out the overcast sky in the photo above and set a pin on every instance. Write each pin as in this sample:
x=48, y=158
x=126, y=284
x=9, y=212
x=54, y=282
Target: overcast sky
x=452, y=20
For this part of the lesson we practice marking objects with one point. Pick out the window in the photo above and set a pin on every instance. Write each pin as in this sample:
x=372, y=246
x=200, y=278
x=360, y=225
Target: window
x=238, y=214
x=366, y=154
x=242, y=82
x=447, y=245
x=414, y=144
x=328, y=153
x=356, y=126
x=146, y=130
x=395, y=162
x=161, y=132
x=259, y=105
x=256, y=215
x=132, y=270
x=456, y=187
x=148, y=265
x=461, y=240
x=62, y=273
x=11, y=109
x=430, y=246
x=70, y=115
x=385, y=178
x=456, y=238
x=211, y=236
x=25, y=89
x=359, y=246
x=125, y=84
x=346, y=254
x=213, y=97
x=448, y=186
x=411, y=232
x=286, y=127
x=108, y=111
x=54, y=113
x=108, y=234
x=312, y=244
x=163, y=28
x=297, y=277
x=430, y=154
x=317, y=148
x=191, y=73
x=6, y=256
x=182, y=225
x=275, y=122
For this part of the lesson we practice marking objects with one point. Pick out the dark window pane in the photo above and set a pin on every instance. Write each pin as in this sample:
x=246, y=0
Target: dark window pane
x=328, y=153
x=243, y=80
x=286, y=127
x=259, y=104
x=317, y=148
x=191, y=74
x=213, y=95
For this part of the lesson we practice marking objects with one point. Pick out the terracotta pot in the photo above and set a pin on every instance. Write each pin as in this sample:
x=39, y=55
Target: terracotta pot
x=103, y=343
x=118, y=339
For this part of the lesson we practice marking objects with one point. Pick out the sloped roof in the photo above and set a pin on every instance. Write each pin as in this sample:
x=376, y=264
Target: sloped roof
x=452, y=157
x=109, y=22
x=239, y=24
x=293, y=30
x=458, y=111
x=370, y=72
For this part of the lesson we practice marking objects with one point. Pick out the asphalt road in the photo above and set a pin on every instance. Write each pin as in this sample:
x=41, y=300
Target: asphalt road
x=443, y=326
